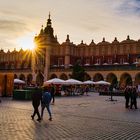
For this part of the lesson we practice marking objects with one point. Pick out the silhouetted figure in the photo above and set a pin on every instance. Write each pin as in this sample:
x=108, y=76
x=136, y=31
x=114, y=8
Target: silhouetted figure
x=46, y=100
x=133, y=98
x=53, y=91
x=87, y=89
x=127, y=94
x=36, y=99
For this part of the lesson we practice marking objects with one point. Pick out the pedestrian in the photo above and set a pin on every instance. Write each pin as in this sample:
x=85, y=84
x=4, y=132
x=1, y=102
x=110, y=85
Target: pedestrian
x=127, y=94
x=86, y=89
x=134, y=95
x=36, y=99
x=46, y=100
x=53, y=91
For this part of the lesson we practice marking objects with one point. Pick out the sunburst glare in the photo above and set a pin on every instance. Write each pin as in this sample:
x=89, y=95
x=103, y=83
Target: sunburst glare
x=26, y=42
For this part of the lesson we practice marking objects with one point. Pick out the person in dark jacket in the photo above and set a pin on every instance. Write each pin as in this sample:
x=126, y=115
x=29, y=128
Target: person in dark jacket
x=46, y=100
x=36, y=99
x=133, y=98
x=127, y=94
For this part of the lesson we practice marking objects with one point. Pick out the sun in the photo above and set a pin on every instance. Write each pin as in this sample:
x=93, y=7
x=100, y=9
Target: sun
x=26, y=42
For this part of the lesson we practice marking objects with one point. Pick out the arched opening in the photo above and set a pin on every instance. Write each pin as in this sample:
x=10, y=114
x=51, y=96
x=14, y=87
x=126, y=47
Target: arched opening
x=63, y=76
x=112, y=78
x=125, y=80
x=29, y=79
x=87, y=77
x=53, y=76
x=98, y=77
x=22, y=77
x=15, y=76
x=39, y=79
x=137, y=79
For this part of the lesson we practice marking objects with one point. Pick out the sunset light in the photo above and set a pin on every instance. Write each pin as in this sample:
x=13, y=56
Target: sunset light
x=26, y=42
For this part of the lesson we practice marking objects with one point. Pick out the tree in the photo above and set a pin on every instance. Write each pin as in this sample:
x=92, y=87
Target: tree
x=78, y=71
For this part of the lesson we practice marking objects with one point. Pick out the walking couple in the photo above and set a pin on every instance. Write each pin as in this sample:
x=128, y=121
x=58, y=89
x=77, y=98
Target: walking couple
x=131, y=93
x=45, y=99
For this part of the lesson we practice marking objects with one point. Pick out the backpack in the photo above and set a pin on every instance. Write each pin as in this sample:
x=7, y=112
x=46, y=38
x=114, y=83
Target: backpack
x=46, y=98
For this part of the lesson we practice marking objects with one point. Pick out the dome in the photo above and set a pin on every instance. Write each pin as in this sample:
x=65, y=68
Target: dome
x=92, y=43
x=82, y=44
x=103, y=42
x=128, y=40
x=115, y=41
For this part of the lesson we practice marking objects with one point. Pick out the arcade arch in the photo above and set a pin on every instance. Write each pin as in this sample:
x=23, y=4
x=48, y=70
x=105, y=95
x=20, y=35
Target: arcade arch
x=63, y=76
x=137, y=79
x=15, y=76
x=112, y=78
x=53, y=76
x=125, y=80
x=98, y=77
x=87, y=77
x=22, y=77
x=39, y=79
x=29, y=78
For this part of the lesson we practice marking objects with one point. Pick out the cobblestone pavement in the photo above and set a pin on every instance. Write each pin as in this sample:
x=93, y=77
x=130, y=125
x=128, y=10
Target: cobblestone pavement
x=90, y=117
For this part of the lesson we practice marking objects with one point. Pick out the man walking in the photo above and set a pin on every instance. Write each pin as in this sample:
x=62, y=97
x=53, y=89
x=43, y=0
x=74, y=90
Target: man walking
x=46, y=99
x=36, y=99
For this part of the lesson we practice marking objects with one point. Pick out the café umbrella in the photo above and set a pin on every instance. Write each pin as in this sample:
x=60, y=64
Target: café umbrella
x=102, y=83
x=73, y=82
x=18, y=81
x=88, y=82
x=54, y=81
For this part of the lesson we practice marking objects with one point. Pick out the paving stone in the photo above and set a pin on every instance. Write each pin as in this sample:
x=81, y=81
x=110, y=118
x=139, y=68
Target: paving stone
x=74, y=118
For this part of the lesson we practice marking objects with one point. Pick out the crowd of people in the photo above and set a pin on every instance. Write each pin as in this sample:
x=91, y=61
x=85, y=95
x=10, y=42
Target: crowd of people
x=47, y=97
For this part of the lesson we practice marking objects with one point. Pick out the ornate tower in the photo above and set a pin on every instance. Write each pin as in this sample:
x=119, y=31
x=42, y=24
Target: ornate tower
x=44, y=42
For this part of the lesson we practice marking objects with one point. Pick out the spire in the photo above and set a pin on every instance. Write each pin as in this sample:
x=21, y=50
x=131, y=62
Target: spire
x=115, y=39
x=49, y=15
x=41, y=31
x=49, y=20
x=56, y=38
x=103, y=39
x=92, y=42
x=48, y=30
x=67, y=40
x=128, y=38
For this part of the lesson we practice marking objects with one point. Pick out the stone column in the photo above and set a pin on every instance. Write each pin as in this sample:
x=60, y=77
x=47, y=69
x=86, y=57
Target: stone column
x=47, y=62
x=67, y=57
x=33, y=67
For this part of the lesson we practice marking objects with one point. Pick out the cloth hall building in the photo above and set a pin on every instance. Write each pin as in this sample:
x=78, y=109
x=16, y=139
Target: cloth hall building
x=102, y=61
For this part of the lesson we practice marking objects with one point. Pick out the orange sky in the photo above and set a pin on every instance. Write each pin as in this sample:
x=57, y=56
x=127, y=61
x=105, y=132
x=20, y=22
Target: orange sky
x=81, y=19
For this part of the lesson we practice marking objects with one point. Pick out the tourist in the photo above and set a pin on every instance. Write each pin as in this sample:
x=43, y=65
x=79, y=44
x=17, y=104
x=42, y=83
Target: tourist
x=87, y=89
x=127, y=94
x=53, y=91
x=133, y=98
x=46, y=100
x=36, y=99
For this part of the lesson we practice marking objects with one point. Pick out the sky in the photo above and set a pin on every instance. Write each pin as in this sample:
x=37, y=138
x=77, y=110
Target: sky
x=83, y=20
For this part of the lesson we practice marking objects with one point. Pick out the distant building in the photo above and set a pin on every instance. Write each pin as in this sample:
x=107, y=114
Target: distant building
x=102, y=61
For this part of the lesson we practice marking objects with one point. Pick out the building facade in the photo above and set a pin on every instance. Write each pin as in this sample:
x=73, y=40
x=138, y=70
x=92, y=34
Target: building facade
x=102, y=61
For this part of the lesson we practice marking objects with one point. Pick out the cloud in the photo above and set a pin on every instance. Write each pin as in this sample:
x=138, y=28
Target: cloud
x=82, y=19
x=129, y=8
x=12, y=27
x=10, y=30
